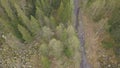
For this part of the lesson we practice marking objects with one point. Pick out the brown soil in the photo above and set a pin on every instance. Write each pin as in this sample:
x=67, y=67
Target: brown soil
x=97, y=56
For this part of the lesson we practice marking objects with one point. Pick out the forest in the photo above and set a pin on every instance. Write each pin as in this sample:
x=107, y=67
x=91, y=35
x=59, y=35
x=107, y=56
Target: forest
x=59, y=34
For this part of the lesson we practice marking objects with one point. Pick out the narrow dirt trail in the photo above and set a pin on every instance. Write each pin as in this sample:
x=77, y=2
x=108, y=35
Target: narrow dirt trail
x=81, y=34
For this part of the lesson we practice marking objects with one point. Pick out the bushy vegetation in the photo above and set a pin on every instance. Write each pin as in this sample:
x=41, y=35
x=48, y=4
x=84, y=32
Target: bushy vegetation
x=110, y=9
x=114, y=29
x=38, y=34
x=99, y=9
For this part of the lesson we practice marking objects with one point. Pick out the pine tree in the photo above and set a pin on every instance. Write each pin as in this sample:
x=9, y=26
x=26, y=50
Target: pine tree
x=44, y=5
x=22, y=16
x=35, y=26
x=6, y=5
x=56, y=48
x=25, y=33
x=47, y=33
x=30, y=8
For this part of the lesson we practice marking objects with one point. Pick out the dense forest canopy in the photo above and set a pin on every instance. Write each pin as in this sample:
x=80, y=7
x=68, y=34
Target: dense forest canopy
x=42, y=34
x=37, y=33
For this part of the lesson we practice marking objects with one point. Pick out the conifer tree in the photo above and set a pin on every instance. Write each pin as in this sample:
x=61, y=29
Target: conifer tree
x=35, y=26
x=6, y=5
x=25, y=33
x=46, y=31
x=22, y=16
x=56, y=48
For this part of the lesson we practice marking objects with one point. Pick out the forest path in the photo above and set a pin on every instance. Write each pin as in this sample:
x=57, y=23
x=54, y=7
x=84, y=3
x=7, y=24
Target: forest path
x=79, y=27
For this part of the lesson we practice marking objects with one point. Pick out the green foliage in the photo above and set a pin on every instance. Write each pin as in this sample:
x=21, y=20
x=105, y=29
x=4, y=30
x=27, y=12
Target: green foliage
x=42, y=25
x=68, y=51
x=74, y=43
x=44, y=49
x=22, y=16
x=71, y=31
x=117, y=51
x=114, y=30
x=47, y=33
x=99, y=9
x=8, y=27
x=59, y=32
x=56, y=48
x=44, y=5
x=45, y=62
x=114, y=23
x=9, y=19
x=110, y=9
x=2, y=40
x=55, y=4
x=53, y=22
x=89, y=2
x=66, y=15
x=25, y=33
x=35, y=26
x=39, y=15
x=107, y=44
x=6, y=5
x=30, y=7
